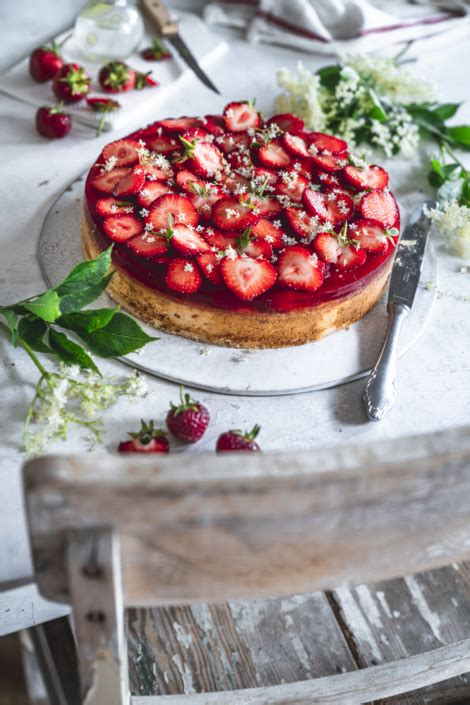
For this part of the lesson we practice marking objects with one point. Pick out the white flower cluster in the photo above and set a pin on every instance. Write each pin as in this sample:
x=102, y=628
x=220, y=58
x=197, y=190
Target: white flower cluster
x=390, y=79
x=302, y=96
x=398, y=134
x=453, y=223
x=73, y=396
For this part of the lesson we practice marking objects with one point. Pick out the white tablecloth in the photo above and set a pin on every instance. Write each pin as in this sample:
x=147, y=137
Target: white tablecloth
x=434, y=390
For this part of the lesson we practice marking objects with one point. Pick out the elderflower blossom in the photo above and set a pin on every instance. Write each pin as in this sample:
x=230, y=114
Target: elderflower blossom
x=302, y=96
x=398, y=134
x=73, y=396
x=391, y=79
x=453, y=222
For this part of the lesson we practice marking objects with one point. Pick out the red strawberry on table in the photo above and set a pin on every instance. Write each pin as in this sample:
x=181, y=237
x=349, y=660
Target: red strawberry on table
x=247, y=277
x=239, y=441
x=334, y=207
x=116, y=77
x=122, y=227
x=71, y=83
x=187, y=420
x=367, y=177
x=53, y=123
x=148, y=440
x=122, y=152
x=156, y=52
x=171, y=209
x=183, y=276
x=241, y=116
x=299, y=269
x=380, y=206
x=45, y=62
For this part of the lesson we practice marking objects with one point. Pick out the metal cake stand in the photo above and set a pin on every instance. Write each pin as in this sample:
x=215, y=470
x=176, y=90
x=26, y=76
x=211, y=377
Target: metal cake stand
x=342, y=357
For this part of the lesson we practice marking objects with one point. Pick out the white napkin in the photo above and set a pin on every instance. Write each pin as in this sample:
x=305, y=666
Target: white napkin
x=170, y=74
x=334, y=26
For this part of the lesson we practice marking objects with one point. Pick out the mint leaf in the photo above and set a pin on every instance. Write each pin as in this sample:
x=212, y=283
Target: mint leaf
x=70, y=352
x=76, y=301
x=32, y=330
x=45, y=306
x=446, y=110
x=87, y=320
x=11, y=319
x=120, y=336
x=86, y=274
x=460, y=135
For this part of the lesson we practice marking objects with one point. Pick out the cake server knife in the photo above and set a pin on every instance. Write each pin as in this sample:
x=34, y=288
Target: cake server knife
x=160, y=17
x=380, y=388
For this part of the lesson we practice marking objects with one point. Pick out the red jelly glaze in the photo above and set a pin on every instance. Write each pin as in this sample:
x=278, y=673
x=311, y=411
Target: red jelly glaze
x=151, y=271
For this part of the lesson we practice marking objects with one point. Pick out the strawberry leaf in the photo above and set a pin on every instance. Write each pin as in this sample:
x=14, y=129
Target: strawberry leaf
x=11, y=319
x=45, y=306
x=87, y=320
x=32, y=330
x=120, y=336
x=460, y=135
x=70, y=352
x=74, y=302
x=86, y=274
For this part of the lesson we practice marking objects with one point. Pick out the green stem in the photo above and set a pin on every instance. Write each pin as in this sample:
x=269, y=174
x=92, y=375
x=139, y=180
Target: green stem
x=30, y=352
x=452, y=154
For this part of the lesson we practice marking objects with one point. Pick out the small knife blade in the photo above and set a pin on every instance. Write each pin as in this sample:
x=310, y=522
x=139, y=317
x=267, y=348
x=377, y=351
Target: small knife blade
x=409, y=257
x=159, y=15
x=380, y=388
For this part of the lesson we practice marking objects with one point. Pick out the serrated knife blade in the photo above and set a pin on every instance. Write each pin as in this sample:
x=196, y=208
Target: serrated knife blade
x=380, y=389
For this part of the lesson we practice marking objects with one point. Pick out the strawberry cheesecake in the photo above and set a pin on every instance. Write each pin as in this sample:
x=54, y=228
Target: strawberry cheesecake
x=236, y=231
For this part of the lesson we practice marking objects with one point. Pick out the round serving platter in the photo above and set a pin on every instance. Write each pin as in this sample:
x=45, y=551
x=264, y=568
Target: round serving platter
x=336, y=359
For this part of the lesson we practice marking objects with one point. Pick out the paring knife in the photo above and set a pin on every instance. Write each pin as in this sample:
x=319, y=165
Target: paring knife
x=160, y=16
x=380, y=388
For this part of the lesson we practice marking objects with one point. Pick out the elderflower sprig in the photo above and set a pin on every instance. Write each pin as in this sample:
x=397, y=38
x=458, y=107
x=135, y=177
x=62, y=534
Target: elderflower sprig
x=370, y=100
x=77, y=392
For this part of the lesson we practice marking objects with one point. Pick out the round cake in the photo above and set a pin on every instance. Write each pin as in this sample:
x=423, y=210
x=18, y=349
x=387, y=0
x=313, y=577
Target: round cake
x=232, y=230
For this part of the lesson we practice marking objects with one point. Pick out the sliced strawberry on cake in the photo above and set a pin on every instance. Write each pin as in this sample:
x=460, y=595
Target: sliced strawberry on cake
x=333, y=207
x=122, y=153
x=229, y=214
x=247, y=277
x=187, y=240
x=122, y=227
x=241, y=116
x=366, y=177
x=170, y=209
x=299, y=269
x=183, y=275
x=373, y=237
x=380, y=206
x=150, y=191
x=148, y=244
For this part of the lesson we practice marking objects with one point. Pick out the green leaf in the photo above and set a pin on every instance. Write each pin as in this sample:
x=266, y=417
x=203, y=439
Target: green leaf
x=87, y=320
x=32, y=330
x=85, y=282
x=11, y=319
x=46, y=306
x=329, y=75
x=69, y=351
x=120, y=336
x=446, y=110
x=378, y=111
x=74, y=302
x=460, y=135
x=85, y=274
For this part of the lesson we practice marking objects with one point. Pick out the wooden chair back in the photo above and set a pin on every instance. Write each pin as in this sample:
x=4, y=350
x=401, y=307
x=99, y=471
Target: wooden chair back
x=109, y=532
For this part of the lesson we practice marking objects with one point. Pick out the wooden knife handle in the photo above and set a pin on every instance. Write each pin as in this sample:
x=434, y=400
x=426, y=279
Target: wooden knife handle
x=160, y=17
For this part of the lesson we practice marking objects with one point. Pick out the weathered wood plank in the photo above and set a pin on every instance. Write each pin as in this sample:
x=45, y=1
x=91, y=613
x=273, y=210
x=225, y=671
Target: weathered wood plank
x=402, y=618
x=354, y=688
x=94, y=564
x=208, y=528
x=204, y=648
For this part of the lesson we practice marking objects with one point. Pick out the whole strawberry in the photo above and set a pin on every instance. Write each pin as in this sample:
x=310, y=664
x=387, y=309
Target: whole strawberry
x=45, y=62
x=53, y=123
x=156, y=52
x=71, y=83
x=103, y=106
x=188, y=420
x=148, y=440
x=238, y=441
x=116, y=77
